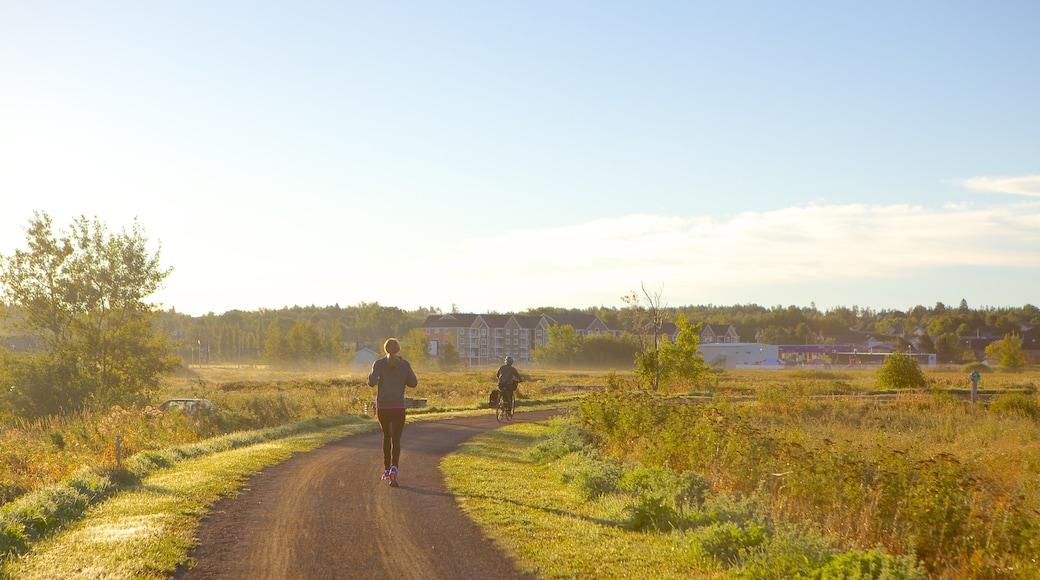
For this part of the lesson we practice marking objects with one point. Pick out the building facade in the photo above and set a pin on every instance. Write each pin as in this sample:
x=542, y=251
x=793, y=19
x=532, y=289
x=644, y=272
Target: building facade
x=487, y=339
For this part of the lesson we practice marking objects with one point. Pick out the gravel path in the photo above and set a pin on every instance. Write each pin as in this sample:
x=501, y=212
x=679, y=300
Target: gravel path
x=325, y=514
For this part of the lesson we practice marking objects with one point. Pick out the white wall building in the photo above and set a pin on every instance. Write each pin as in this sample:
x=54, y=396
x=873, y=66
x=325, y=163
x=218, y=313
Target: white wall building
x=742, y=355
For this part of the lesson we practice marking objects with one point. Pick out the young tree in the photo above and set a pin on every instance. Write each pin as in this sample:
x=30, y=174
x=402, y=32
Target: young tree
x=561, y=348
x=681, y=363
x=647, y=362
x=82, y=296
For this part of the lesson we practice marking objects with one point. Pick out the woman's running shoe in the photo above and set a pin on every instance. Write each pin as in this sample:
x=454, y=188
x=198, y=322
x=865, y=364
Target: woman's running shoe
x=393, y=476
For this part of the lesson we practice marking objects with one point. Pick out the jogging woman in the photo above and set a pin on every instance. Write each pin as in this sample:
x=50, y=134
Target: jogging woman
x=391, y=374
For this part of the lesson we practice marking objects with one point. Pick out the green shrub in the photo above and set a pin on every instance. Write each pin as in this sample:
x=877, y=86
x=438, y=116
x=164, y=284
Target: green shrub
x=651, y=512
x=727, y=541
x=1017, y=404
x=665, y=498
x=567, y=436
x=900, y=372
x=871, y=565
x=793, y=552
x=975, y=367
x=591, y=475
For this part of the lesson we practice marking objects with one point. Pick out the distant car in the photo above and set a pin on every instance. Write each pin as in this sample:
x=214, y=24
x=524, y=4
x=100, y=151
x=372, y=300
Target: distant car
x=187, y=405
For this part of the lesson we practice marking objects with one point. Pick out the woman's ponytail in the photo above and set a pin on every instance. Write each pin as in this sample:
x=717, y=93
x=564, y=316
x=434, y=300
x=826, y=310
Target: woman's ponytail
x=392, y=348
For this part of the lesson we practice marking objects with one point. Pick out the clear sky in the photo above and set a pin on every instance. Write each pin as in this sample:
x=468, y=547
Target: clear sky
x=500, y=156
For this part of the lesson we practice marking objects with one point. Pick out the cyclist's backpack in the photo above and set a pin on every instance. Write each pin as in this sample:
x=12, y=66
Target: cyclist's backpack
x=493, y=398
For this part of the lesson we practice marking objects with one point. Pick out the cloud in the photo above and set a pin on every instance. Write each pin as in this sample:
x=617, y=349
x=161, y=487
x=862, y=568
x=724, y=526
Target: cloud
x=690, y=255
x=1026, y=185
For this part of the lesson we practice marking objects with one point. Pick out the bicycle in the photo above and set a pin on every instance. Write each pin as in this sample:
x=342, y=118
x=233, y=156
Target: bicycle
x=504, y=410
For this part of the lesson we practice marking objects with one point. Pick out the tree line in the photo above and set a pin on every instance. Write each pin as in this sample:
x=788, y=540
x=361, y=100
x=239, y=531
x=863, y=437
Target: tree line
x=323, y=334
x=80, y=331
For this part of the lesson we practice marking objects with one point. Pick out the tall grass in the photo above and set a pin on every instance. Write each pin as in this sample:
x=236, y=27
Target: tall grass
x=950, y=483
x=38, y=453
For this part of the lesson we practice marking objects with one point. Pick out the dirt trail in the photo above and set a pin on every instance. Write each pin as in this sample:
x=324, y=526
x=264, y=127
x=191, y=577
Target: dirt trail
x=325, y=514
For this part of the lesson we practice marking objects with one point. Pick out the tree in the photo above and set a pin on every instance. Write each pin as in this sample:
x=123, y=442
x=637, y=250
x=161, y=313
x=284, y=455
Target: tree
x=448, y=356
x=1008, y=351
x=415, y=347
x=560, y=349
x=948, y=348
x=81, y=297
x=653, y=315
x=900, y=371
x=276, y=348
x=681, y=363
x=608, y=351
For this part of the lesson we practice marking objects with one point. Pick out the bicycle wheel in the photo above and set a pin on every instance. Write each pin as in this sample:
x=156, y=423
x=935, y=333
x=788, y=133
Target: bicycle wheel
x=500, y=411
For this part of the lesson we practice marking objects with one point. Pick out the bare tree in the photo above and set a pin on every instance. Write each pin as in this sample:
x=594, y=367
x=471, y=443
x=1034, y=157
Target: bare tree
x=648, y=317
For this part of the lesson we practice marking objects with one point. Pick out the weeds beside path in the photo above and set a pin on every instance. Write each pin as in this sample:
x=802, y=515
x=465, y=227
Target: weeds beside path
x=322, y=500
x=146, y=531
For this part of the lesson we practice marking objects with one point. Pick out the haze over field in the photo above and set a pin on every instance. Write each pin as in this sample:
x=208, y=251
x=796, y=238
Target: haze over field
x=501, y=157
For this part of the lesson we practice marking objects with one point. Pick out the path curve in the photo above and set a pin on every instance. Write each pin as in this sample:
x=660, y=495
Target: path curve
x=324, y=514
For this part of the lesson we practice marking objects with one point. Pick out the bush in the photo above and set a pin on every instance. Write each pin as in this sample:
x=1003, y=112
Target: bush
x=872, y=565
x=976, y=367
x=900, y=372
x=567, y=436
x=792, y=553
x=666, y=499
x=726, y=541
x=651, y=512
x=591, y=475
x=1024, y=405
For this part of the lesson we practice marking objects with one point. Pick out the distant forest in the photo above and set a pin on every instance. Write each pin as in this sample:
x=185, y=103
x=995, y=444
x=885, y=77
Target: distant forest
x=331, y=332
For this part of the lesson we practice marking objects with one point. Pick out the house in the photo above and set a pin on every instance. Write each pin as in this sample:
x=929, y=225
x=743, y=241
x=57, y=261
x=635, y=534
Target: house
x=364, y=358
x=717, y=333
x=710, y=333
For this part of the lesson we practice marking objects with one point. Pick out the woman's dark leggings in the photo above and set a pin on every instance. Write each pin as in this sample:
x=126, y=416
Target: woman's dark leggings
x=392, y=422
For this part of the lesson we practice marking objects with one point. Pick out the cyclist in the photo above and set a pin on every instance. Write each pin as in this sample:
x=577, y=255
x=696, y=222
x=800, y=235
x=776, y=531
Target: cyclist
x=508, y=381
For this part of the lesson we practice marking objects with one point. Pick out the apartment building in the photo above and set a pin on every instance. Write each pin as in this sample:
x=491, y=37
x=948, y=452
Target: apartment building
x=487, y=339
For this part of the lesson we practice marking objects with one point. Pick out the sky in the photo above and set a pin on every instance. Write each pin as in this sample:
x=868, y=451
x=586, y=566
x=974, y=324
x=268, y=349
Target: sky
x=504, y=156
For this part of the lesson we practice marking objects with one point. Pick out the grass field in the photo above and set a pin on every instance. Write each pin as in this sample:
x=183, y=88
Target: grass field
x=782, y=486
x=822, y=430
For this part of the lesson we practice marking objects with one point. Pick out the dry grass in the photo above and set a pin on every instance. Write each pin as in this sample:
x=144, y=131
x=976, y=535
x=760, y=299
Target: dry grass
x=928, y=474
